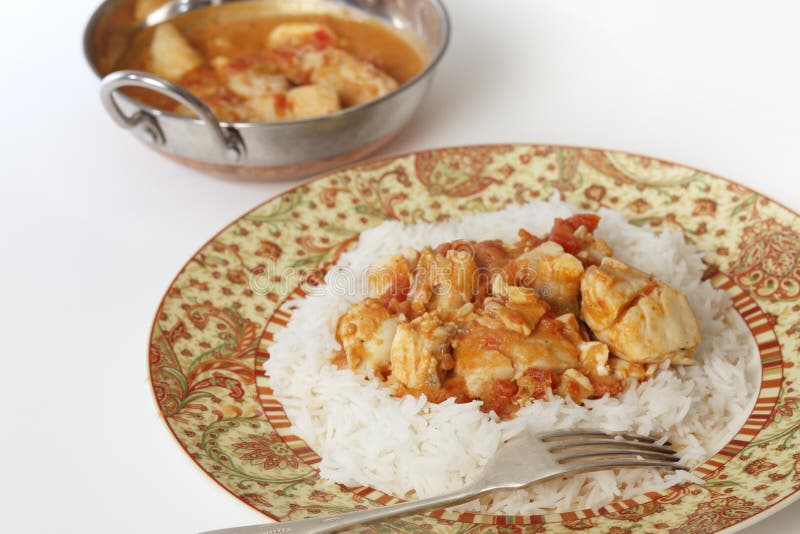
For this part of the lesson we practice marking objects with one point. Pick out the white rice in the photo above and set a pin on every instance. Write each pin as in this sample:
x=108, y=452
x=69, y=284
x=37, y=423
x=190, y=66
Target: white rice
x=411, y=448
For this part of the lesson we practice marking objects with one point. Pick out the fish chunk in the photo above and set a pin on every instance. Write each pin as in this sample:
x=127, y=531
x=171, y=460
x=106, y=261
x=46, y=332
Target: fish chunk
x=312, y=100
x=355, y=81
x=249, y=81
x=521, y=305
x=307, y=53
x=593, y=249
x=366, y=332
x=623, y=369
x=594, y=358
x=499, y=316
x=553, y=273
x=572, y=329
x=606, y=290
x=392, y=276
x=267, y=107
x=479, y=361
x=546, y=348
x=296, y=34
x=575, y=385
x=172, y=55
x=442, y=282
x=641, y=319
x=420, y=354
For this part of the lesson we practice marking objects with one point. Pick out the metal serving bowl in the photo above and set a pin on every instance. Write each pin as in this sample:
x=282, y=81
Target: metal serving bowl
x=259, y=150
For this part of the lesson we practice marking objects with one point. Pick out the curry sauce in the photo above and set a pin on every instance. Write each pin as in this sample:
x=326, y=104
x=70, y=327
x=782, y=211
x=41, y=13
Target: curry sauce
x=349, y=59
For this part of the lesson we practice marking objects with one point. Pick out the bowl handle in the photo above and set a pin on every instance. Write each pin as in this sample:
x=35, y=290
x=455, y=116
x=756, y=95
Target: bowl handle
x=229, y=142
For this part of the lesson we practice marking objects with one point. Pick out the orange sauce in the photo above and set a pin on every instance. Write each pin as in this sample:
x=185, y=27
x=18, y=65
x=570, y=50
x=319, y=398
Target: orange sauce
x=240, y=29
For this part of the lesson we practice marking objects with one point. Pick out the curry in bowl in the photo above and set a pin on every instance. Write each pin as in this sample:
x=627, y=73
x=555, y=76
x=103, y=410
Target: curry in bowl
x=274, y=67
x=258, y=83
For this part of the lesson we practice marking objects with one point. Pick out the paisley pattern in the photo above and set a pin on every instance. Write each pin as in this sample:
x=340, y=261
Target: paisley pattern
x=214, y=326
x=769, y=260
x=716, y=514
x=459, y=172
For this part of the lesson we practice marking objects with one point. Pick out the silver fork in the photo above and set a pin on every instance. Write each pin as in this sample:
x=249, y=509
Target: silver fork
x=519, y=463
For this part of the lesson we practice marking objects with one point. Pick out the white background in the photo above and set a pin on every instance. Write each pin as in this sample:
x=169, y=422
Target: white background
x=94, y=225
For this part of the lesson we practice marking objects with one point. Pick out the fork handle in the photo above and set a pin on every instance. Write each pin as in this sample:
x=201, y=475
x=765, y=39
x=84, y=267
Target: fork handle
x=331, y=523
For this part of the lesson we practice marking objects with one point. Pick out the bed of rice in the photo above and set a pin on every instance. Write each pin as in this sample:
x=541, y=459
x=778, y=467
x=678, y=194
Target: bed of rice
x=411, y=448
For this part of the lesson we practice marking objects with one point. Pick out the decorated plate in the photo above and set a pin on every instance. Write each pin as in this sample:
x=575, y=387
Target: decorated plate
x=214, y=327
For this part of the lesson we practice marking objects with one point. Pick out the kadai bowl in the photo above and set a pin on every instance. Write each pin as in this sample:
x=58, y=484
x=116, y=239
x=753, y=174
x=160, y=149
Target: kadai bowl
x=265, y=89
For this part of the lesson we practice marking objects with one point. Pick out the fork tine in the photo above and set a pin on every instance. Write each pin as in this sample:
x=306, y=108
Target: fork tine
x=597, y=455
x=613, y=464
x=578, y=446
x=561, y=435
